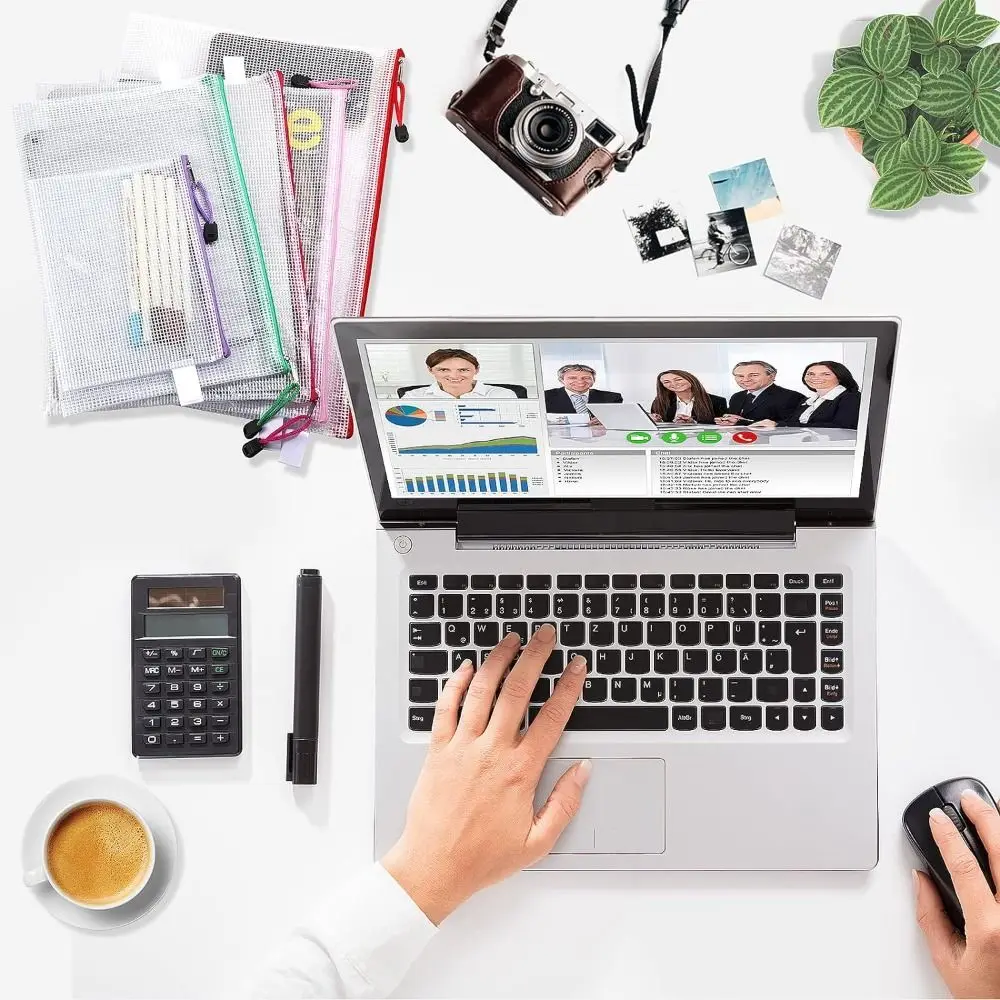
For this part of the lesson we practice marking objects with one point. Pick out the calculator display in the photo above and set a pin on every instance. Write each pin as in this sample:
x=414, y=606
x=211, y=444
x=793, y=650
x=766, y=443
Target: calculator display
x=187, y=597
x=183, y=624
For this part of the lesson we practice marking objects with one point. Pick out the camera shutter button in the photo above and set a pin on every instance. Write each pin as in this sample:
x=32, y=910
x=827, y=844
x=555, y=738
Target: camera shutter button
x=536, y=90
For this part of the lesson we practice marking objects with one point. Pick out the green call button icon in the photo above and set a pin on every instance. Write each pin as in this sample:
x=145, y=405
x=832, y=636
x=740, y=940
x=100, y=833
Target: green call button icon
x=673, y=437
x=638, y=437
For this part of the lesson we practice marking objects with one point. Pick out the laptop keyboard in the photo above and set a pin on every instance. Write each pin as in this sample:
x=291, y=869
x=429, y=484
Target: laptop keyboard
x=684, y=652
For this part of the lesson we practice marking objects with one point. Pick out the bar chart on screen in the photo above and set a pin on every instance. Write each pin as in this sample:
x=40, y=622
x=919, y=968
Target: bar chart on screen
x=496, y=414
x=470, y=483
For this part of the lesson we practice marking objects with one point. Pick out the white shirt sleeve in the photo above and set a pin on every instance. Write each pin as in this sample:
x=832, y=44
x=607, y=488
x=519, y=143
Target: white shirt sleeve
x=359, y=943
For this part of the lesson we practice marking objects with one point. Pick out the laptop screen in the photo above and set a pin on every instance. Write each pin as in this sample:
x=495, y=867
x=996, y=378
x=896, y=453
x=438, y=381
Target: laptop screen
x=652, y=418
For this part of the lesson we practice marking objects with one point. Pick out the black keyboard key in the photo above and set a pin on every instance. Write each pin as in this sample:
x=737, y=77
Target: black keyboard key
x=198, y=669
x=739, y=689
x=221, y=687
x=508, y=605
x=421, y=605
x=486, y=634
x=483, y=581
x=652, y=581
x=800, y=638
x=652, y=605
x=624, y=581
x=737, y=581
x=831, y=605
x=218, y=669
x=744, y=633
x=424, y=662
x=597, y=582
x=637, y=661
x=595, y=605
x=423, y=691
x=566, y=606
x=717, y=634
x=150, y=654
x=151, y=687
x=175, y=722
x=724, y=661
x=746, y=720
x=682, y=581
x=423, y=582
x=572, y=634
x=829, y=581
x=222, y=704
x=541, y=693
x=681, y=605
x=688, y=633
x=425, y=634
x=695, y=661
x=554, y=664
x=739, y=605
x=804, y=718
x=777, y=718
x=536, y=606
x=772, y=689
x=614, y=718
x=832, y=689
x=832, y=661
x=710, y=581
x=151, y=707
x=766, y=581
x=713, y=720
x=176, y=704
x=421, y=717
x=623, y=605
x=751, y=661
x=569, y=581
x=608, y=661
x=521, y=628
x=832, y=719
x=682, y=689
x=456, y=582
x=653, y=689
x=595, y=689
x=804, y=688
x=196, y=721
x=177, y=669
x=220, y=652
x=831, y=634
x=587, y=655
x=658, y=633
x=776, y=661
x=510, y=581
x=768, y=605
x=623, y=689
x=457, y=634
x=666, y=661
x=174, y=739
x=479, y=606
x=685, y=720
x=630, y=633
x=537, y=582
x=174, y=653
x=710, y=689
x=796, y=581
x=601, y=633
x=800, y=605
x=769, y=633
x=710, y=605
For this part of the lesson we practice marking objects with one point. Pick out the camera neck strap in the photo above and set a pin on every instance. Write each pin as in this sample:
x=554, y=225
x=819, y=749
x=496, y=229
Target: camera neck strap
x=640, y=110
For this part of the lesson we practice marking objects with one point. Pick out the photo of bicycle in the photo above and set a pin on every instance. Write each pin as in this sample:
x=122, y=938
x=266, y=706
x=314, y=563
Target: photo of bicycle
x=725, y=244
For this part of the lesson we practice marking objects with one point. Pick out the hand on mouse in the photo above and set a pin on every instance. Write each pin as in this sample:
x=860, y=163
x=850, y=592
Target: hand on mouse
x=471, y=821
x=970, y=966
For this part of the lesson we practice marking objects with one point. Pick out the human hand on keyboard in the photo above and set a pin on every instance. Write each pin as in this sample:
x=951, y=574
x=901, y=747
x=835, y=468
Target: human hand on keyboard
x=970, y=966
x=471, y=821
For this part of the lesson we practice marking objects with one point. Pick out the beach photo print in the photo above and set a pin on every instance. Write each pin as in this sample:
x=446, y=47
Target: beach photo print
x=803, y=261
x=750, y=187
x=659, y=229
x=724, y=244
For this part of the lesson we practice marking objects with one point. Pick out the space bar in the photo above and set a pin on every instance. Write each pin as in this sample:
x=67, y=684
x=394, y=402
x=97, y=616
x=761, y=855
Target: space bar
x=614, y=717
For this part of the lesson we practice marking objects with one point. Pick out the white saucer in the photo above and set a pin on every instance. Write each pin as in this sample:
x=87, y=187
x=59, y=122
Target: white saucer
x=130, y=794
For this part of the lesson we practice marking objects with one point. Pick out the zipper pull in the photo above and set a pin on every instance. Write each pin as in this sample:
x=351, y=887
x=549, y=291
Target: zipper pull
x=300, y=80
x=401, y=132
x=203, y=206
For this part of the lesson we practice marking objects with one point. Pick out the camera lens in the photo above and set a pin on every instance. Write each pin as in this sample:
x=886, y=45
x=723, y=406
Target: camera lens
x=547, y=134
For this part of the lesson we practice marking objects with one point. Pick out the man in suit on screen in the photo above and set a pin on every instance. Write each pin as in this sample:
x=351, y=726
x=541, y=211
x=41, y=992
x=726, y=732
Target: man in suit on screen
x=759, y=398
x=577, y=391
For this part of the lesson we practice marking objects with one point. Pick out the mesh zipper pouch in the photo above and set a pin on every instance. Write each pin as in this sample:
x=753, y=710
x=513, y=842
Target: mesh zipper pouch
x=378, y=95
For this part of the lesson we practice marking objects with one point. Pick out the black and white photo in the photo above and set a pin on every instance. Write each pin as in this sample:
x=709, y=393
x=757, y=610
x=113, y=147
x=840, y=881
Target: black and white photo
x=803, y=261
x=725, y=244
x=659, y=230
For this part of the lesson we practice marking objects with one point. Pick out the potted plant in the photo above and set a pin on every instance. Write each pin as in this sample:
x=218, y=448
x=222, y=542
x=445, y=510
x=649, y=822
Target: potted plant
x=915, y=96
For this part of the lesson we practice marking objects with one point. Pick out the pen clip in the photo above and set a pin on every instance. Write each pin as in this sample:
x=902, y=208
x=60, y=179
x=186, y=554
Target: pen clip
x=289, y=755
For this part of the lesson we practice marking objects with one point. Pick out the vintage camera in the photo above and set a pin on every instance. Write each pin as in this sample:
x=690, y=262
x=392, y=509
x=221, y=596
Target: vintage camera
x=554, y=146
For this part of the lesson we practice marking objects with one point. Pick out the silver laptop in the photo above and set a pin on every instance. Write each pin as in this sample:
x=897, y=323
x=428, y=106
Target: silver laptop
x=719, y=580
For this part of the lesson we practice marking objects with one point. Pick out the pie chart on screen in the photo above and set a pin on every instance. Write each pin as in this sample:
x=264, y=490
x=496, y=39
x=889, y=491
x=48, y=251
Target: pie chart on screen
x=405, y=416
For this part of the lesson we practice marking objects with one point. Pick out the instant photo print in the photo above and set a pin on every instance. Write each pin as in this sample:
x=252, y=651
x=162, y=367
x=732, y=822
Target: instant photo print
x=659, y=229
x=748, y=186
x=724, y=244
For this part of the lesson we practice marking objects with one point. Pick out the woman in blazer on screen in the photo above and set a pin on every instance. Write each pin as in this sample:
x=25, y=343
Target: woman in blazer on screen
x=682, y=399
x=835, y=399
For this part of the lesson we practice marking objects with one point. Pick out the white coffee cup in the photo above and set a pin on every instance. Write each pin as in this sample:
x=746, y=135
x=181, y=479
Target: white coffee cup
x=36, y=876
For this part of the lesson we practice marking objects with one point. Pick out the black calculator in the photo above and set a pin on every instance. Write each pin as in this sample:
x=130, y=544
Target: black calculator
x=187, y=684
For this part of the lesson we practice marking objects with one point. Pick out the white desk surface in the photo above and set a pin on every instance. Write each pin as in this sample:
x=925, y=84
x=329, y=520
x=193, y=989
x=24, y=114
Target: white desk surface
x=89, y=503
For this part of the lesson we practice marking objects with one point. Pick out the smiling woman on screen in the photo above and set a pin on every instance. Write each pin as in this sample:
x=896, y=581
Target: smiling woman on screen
x=835, y=399
x=455, y=373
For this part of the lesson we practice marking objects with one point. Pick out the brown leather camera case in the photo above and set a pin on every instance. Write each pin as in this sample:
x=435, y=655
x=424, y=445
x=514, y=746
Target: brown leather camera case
x=478, y=111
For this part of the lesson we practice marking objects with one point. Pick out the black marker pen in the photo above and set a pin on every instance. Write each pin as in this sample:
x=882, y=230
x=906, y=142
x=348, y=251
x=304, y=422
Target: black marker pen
x=303, y=741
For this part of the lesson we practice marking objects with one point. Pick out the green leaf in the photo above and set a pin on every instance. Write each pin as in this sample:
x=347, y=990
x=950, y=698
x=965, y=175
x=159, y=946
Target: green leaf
x=924, y=145
x=886, y=123
x=984, y=68
x=948, y=181
x=942, y=59
x=948, y=94
x=903, y=90
x=986, y=116
x=899, y=189
x=975, y=30
x=843, y=58
x=870, y=148
x=849, y=96
x=886, y=44
x=889, y=156
x=962, y=159
x=950, y=15
x=922, y=35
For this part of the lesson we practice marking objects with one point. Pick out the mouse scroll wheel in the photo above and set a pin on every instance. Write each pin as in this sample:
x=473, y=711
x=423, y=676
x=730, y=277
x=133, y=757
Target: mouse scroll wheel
x=954, y=815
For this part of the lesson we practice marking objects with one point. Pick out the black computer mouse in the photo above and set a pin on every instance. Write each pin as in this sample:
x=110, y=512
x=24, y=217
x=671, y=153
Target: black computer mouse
x=946, y=796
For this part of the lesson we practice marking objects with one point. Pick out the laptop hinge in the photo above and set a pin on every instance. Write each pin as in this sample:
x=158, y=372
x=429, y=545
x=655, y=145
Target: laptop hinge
x=569, y=524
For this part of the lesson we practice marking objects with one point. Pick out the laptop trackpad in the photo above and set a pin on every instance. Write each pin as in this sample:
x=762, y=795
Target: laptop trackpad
x=623, y=811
